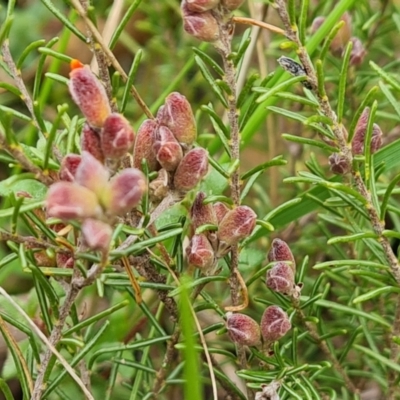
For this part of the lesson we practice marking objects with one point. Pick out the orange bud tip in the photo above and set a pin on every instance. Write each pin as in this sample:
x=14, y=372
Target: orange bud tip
x=75, y=64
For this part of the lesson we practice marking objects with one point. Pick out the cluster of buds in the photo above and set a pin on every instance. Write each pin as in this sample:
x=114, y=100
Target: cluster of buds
x=281, y=277
x=106, y=135
x=244, y=330
x=166, y=145
x=86, y=193
x=199, y=17
x=342, y=38
x=227, y=228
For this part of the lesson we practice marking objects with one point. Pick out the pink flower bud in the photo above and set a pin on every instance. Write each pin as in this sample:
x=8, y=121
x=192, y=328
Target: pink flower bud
x=274, y=324
x=97, y=234
x=124, y=192
x=358, y=52
x=280, y=251
x=339, y=164
x=168, y=151
x=178, y=116
x=376, y=139
x=68, y=168
x=221, y=209
x=342, y=37
x=144, y=145
x=200, y=252
x=317, y=22
x=201, y=5
x=65, y=260
x=117, y=136
x=90, y=142
x=89, y=94
x=66, y=200
x=280, y=278
x=202, y=214
x=202, y=26
x=243, y=329
x=191, y=170
x=237, y=225
x=92, y=174
x=232, y=4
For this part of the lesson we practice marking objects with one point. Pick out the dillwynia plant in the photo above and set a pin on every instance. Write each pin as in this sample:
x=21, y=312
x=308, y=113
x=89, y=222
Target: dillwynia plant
x=158, y=263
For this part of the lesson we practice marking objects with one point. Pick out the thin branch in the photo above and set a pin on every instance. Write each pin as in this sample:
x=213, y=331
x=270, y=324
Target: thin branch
x=254, y=22
x=99, y=39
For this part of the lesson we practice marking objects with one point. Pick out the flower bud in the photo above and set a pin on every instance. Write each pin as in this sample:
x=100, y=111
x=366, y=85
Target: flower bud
x=232, y=4
x=280, y=278
x=124, y=192
x=65, y=260
x=68, y=168
x=242, y=329
x=339, y=164
x=144, y=145
x=90, y=142
x=201, y=5
x=67, y=200
x=200, y=252
x=191, y=170
x=117, y=136
x=178, y=116
x=202, y=214
x=202, y=26
x=280, y=251
x=92, y=174
x=376, y=138
x=89, y=95
x=97, y=234
x=220, y=209
x=274, y=324
x=168, y=150
x=316, y=24
x=237, y=225
x=342, y=37
x=358, y=52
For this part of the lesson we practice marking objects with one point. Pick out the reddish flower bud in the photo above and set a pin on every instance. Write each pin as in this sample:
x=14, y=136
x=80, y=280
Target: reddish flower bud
x=168, y=151
x=280, y=278
x=65, y=260
x=92, y=174
x=97, y=234
x=274, y=324
x=68, y=168
x=202, y=214
x=191, y=170
x=202, y=26
x=200, y=252
x=201, y=5
x=280, y=251
x=66, y=200
x=317, y=22
x=237, y=225
x=242, y=329
x=232, y=4
x=376, y=139
x=358, y=52
x=90, y=142
x=90, y=96
x=342, y=37
x=221, y=209
x=117, y=136
x=144, y=145
x=339, y=164
x=178, y=116
x=124, y=192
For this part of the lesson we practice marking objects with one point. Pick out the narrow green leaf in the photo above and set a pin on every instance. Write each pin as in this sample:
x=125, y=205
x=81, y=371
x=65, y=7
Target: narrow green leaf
x=352, y=238
x=385, y=76
x=6, y=390
x=262, y=167
x=386, y=91
x=208, y=60
x=131, y=77
x=343, y=81
x=279, y=88
x=311, y=142
x=378, y=357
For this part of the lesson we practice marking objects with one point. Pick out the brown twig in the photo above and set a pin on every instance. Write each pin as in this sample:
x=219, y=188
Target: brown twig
x=254, y=22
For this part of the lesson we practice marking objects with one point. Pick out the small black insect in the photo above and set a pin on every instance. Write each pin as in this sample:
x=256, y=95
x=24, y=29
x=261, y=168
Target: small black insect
x=294, y=68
